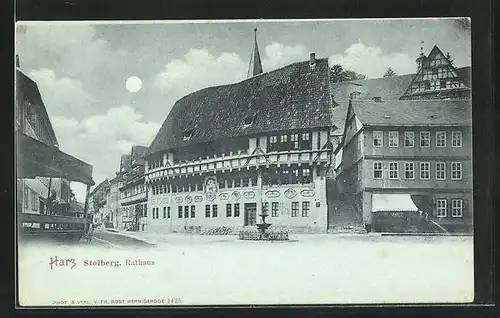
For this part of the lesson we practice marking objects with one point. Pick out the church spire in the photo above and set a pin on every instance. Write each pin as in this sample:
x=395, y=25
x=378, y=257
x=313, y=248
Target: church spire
x=255, y=66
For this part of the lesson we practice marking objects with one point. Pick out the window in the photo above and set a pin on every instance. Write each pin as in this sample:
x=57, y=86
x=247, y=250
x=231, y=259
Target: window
x=164, y=212
x=214, y=210
x=285, y=176
x=425, y=170
x=168, y=212
x=393, y=139
x=425, y=139
x=236, y=209
x=274, y=208
x=306, y=206
x=427, y=85
x=441, y=208
x=409, y=170
x=295, y=176
x=27, y=197
x=207, y=211
x=377, y=170
x=306, y=174
x=393, y=170
x=378, y=139
x=456, y=208
x=295, y=139
x=442, y=83
x=265, y=208
x=186, y=211
x=295, y=209
x=273, y=139
x=305, y=143
x=228, y=209
x=456, y=171
x=441, y=139
x=193, y=211
x=284, y=138
x=440, y=171
x=456, y=139
x=179, y=212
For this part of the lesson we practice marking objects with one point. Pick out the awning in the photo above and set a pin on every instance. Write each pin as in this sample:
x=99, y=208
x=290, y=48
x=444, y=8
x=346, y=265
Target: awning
x=392, y=202
x=37, y=159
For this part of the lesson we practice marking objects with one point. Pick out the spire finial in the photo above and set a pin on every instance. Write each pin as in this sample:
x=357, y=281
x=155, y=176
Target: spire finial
x=255, y=66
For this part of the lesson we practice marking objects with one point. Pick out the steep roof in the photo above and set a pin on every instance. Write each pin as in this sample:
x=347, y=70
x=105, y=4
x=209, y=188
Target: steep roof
x=387, y=88
x=436, y=112
x=27, y=91
x=293, y=97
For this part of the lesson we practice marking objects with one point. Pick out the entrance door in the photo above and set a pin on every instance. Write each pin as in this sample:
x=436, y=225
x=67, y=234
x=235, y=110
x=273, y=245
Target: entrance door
x=250, y=213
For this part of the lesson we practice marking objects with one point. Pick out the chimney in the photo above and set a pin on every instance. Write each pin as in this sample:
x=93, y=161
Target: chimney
x=312, y=60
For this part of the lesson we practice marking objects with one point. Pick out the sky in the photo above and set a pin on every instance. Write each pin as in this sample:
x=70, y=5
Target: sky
x=108, y=85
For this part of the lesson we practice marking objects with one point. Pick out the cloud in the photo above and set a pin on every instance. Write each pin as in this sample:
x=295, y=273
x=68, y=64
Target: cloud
x=199, y=68
x=101, y=139
x=61, y=95
x=278, y=55
x=372, y=62
x=75, y=50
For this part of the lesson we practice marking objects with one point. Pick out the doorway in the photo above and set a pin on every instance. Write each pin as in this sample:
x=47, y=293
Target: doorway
x=250, y=213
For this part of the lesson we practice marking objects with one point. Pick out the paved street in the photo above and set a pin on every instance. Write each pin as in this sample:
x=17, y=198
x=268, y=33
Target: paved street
x=105, y=238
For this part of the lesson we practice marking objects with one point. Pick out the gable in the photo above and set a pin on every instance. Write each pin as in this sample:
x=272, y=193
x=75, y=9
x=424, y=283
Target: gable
x=436, y=75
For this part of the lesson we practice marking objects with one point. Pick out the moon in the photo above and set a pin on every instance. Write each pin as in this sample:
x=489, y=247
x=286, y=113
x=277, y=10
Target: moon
x=133, y=84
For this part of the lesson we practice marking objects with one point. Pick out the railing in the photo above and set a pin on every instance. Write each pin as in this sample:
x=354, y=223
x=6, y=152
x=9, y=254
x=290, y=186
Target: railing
x=240, y=161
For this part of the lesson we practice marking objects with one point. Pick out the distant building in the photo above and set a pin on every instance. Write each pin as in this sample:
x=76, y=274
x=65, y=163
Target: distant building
x=227, y=154
x=133, y=194
x=405, y=149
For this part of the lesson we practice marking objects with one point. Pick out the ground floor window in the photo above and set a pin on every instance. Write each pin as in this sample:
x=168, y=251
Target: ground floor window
x=164, y=212
x=168, y=212
x=228, y=210
x=237, y=210
x=179, y=212
x=441, y=208
x=306, y=206
x=274, y=208
x=186, y=211
x=214, y=210
x=207, y=211
x=193, y=211
x=295, y=209
x=265, y=208
x=456, y=208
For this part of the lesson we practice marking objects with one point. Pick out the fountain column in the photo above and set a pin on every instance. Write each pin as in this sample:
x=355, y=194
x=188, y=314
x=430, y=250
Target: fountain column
x=259, y=193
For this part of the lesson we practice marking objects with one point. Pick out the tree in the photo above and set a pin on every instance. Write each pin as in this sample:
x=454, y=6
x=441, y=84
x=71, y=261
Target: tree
x=389, y=72
x=338, y=74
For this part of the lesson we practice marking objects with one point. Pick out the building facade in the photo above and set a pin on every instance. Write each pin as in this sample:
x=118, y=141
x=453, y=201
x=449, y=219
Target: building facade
x=409, y=150
x=38, y=195
x=133, y=194
x=225, y=155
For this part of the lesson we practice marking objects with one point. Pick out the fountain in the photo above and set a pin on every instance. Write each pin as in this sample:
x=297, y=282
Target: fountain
x=263, y=226
x=262, y=234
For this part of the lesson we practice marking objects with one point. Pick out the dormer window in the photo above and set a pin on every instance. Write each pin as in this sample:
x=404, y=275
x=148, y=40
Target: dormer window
x=187, y=134
x=248, y=120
